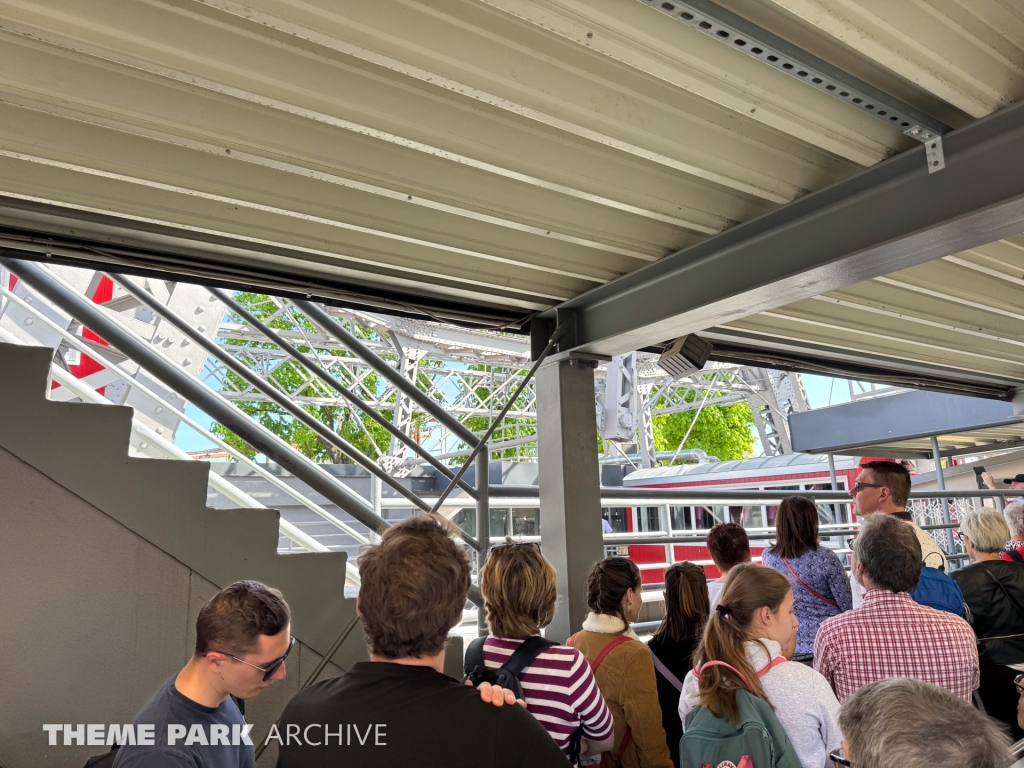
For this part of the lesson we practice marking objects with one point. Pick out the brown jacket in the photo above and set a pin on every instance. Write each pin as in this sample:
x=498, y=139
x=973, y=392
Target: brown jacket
x=626, y=680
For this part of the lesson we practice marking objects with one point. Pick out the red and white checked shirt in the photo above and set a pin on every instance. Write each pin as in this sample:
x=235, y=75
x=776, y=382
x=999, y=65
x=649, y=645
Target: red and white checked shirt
x=892, y=636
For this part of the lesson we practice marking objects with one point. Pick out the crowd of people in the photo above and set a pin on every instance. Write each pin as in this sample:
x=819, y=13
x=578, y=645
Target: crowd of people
x=777, y=664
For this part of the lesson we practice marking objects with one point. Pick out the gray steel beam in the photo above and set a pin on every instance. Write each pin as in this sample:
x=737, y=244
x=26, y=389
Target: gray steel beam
x=889, y=217
x=894, y=418
x=570, y=486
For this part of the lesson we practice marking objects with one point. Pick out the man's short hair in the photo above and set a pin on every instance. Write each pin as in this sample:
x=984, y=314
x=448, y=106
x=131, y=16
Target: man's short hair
x=1014, y=516
x=986, y=530
x=414, y=586
x=729, y=545
x=890, y=552
x=904, y=723
x=233, y=620
x=893, y=476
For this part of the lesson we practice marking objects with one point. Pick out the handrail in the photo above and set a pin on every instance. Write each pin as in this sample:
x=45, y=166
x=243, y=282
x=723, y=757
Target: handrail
x=258, y=436
x=331, y=327
x=321, y=373
x=77, y=343
x=267, y=387
x=88, y=394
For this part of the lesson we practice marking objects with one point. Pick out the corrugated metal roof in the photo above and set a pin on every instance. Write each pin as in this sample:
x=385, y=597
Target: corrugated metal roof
x=502, y=155
x=789, y=463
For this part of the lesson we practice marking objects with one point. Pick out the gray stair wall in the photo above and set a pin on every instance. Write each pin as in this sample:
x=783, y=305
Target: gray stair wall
x=84, y=448
x=107, y=559
x=95, y=620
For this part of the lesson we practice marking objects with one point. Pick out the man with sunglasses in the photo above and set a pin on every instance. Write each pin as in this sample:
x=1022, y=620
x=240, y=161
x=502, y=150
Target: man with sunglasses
x=884, y=486
x=242, y=644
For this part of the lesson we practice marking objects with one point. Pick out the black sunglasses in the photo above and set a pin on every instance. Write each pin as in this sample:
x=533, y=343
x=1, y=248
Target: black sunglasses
x=861, y=486
x=269, y=670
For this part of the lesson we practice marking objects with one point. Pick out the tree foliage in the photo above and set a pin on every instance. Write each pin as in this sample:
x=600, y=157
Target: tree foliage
x=349, y=422
x=722, y=431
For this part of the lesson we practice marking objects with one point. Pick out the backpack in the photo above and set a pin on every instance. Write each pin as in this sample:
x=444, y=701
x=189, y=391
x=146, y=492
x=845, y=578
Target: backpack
x=507, y=675
x=937, y=590
x=755, y=740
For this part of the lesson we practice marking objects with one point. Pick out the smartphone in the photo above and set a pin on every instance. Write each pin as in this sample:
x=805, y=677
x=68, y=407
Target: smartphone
x=978, y=471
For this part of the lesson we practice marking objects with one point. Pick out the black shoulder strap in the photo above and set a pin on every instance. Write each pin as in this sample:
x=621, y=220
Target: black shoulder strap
x=474, y=655
x=524, y=655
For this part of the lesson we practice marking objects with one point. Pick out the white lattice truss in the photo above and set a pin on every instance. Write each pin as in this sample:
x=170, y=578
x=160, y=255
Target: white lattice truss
x=470, y=373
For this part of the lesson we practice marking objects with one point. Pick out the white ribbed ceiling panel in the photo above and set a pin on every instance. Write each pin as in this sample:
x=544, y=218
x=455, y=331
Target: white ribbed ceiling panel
x=503, y=155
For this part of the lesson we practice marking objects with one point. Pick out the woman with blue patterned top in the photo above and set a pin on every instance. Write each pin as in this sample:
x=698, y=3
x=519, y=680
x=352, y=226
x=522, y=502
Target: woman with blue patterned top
x=821, y=588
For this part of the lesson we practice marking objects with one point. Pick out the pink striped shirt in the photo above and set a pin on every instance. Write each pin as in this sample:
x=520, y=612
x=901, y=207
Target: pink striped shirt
x=560, y=691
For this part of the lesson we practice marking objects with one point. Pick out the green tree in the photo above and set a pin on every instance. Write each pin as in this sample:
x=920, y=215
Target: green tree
x=723, y=431
x=349, y=422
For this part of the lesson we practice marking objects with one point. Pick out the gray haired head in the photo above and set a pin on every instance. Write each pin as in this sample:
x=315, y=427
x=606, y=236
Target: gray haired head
x=904, y=723
x=890, y=552
x=1014, y=516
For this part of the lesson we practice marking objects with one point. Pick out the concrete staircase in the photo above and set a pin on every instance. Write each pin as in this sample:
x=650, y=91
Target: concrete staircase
x=84, y=448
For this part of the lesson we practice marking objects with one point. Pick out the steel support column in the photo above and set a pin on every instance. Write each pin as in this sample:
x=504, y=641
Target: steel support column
x=570, y=496
x=483, y=526
x=941, y=482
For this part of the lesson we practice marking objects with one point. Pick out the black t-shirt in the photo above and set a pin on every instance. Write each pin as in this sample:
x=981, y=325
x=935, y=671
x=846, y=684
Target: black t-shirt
x=192, y=727
x=398, y=715
x=678, y=657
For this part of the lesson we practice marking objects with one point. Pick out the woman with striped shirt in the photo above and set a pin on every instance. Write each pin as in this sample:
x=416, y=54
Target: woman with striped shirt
x=518, y=586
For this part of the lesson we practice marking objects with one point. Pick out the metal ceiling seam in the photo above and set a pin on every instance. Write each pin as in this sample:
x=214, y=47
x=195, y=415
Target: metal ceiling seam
x=274, y=258
x=959, y=261
x=287, y=213
x=321, y=117
x=334, y=179
x=917, y=319
x=763, y=191
x=827, y=16
x=681, y=68
x=896, y=339
x=889, y=280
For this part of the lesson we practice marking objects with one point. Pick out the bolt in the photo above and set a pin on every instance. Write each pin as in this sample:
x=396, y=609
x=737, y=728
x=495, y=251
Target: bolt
x=159, y=430
x=29, y=321
x=201, y=329
x=174, y=395
x=159, y=409
x=143, y=446
x=187, y=361
x=590, y=35
x=29, y=299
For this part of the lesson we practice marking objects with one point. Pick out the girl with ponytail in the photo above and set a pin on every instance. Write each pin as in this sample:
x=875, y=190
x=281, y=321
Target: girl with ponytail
x=623, y=665
x=752, y=633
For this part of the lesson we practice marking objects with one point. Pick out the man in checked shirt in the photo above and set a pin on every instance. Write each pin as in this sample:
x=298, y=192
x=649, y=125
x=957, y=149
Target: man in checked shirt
x=890, y=635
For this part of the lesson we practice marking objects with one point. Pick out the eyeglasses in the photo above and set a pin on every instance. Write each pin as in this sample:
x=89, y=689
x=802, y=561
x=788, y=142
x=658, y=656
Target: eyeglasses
x=838, y=758
x=861, y=486
x=962, y=536
x=1018, y=683
x=269, y=670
